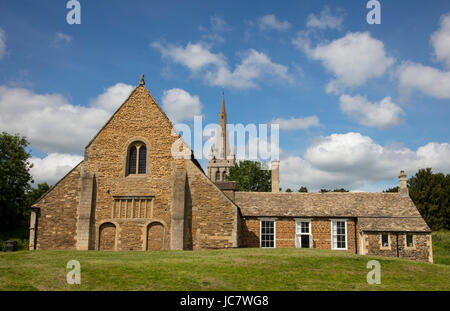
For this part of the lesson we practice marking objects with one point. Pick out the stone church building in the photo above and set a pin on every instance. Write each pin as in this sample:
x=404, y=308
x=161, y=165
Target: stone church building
x=130, y=193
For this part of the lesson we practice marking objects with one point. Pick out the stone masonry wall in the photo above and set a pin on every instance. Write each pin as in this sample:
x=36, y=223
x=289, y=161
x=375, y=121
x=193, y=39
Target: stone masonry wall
x=249, y=232
x=56, y=223
x=397, y=247
x=57, y=220
x=213, y=216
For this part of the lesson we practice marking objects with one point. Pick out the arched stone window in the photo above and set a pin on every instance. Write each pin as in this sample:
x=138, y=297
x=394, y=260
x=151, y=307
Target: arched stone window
x=217, y=175
x=137, y=159
x=224, y=176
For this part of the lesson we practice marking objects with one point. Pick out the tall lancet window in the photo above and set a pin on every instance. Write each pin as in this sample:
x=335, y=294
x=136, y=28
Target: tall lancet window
x=142, y=160
x=217, y=176
x=224, y=176
x=137, y=159
x=132, y=160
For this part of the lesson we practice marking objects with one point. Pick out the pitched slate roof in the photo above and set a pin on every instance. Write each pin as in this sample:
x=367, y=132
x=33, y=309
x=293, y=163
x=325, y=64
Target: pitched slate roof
x=375, y=208
x=393, y=224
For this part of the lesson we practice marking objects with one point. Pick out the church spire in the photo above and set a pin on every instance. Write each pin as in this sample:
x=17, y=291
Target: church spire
x=221, y=157
x=222, y=135
x=222, y=109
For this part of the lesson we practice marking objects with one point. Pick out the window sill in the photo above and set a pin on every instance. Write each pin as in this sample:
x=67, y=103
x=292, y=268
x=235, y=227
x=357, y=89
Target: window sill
x=136, y=176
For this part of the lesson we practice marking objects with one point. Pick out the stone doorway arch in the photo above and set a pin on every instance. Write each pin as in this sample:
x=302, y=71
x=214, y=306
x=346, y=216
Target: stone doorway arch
x=107, y=237
x=156, y=232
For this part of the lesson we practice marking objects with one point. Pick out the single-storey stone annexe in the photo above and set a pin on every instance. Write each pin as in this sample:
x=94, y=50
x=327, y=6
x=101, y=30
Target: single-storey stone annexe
x=130, y=193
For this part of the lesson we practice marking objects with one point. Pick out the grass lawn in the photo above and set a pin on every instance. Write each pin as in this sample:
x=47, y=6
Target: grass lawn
x=441, y=247
x=232, y=269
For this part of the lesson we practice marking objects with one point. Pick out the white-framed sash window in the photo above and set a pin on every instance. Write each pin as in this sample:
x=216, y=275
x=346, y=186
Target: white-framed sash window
x=339, y=234
x=303, y=235
x=267, y=234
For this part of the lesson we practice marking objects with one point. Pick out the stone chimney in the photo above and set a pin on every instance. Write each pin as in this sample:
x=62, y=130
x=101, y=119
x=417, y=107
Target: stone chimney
x=275, y=176
x=403, y=187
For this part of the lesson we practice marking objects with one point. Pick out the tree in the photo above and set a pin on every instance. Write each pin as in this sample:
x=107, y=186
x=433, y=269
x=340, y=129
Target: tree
x=340, y=190
x=15, y=180
x=36, y=193
x=430, y=193
x=335, y=190
x=303, y=189
x=393, y=189
x=288, y=190
x=250, y=176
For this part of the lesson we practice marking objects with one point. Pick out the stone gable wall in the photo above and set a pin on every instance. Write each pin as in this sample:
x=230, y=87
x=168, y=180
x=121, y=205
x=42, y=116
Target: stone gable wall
x=57, y=219
x=139, y=119
x=211, y=217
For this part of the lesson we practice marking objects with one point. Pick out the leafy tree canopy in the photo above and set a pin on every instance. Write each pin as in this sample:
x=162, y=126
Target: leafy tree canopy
x=340, y=190
x=36, y=193
x=430, y=193
x=335, y=190
x=303, y=189
x=15, y=179
x=250, y=176
x=393, y=189
x=288, y=190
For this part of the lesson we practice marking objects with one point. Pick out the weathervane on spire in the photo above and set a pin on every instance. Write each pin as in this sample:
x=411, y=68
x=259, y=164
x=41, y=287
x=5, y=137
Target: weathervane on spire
x=142, y=82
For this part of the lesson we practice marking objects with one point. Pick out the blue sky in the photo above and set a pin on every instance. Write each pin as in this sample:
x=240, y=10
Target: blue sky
x=379, y=94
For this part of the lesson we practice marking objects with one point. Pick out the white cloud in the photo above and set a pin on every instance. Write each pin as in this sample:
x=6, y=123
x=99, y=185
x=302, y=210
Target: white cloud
x=211, y=33
x=325, y=20
x=51, y=123
x=352, y=59
x=2, y=43
x=218, y=24
x=180, y=105
x=113, y=97
x=53, y=167
x=253, y=68
x=353, y=161
x=440, y=40
x=297, y=123
x=382, y=114
x=61, y=37
x=270, y=22
x=213, y=38
x=429, y=80
x=194, y=56
x=215, y=70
